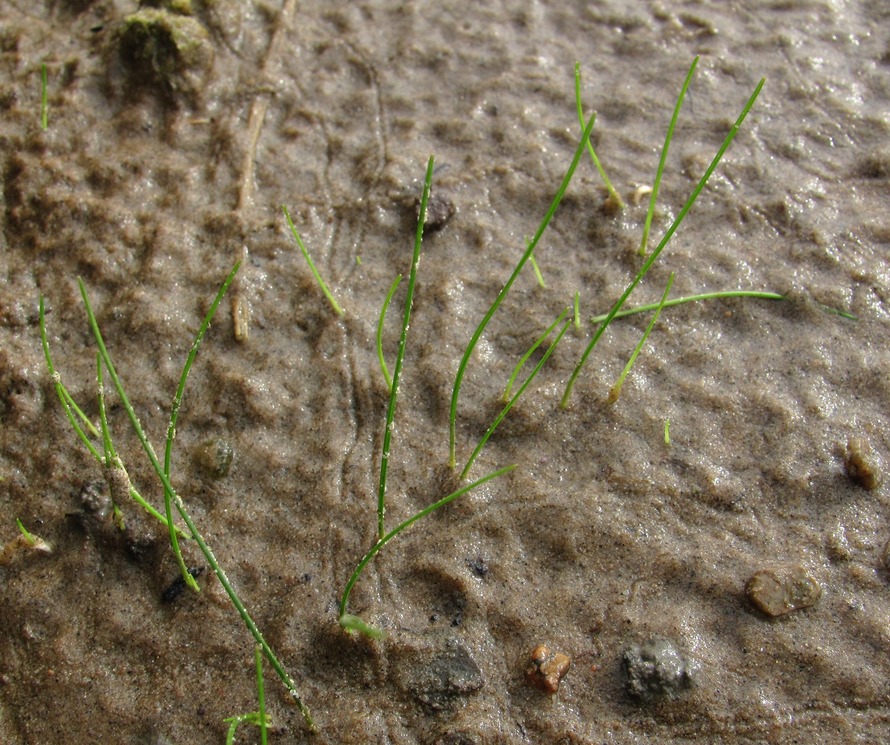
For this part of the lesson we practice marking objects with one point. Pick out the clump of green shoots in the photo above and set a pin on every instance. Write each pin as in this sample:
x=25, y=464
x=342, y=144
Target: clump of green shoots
x=119, y=480
x=616, y=309
x=347, y=620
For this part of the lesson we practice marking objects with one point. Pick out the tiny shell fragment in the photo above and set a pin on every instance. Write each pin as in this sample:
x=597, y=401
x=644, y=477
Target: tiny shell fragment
x=862, y=466
x=546, y=669
x=780, y=590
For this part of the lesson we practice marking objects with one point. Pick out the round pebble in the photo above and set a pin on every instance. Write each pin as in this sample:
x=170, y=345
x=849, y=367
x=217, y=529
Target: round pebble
x=780, y=590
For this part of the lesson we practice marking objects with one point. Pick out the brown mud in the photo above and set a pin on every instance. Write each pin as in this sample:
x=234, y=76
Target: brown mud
x=173, y=141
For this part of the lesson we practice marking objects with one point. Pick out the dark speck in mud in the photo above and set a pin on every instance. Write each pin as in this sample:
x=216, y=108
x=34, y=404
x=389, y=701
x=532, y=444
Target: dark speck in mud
x=439, y=210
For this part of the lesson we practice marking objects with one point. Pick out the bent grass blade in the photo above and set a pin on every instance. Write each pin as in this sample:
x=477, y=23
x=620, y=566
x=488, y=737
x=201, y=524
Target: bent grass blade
x=462, y=367
x=384, y=369
x=321, y=283
x=664, y=241
x=500, y=417
x=613, y=194
x=690, y=299
x=353, y=623
x=615, y=390
x=531, y=350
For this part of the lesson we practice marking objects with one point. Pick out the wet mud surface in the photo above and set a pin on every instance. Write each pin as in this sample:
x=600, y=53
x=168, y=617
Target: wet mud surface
x=174, y=138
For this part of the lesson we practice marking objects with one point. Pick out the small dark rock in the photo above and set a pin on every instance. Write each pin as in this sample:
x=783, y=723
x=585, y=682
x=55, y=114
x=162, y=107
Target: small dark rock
x=438, y=677
x=439, y=210
x=478, y=566
x=656, y=669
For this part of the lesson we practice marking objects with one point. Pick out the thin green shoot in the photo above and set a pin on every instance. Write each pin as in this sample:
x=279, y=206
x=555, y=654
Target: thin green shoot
x=115, y=474
x=509, y=405
x=44, y=99
x=664, y=241
x=516, y=370
x=233, y=722
x=613, y=194
x=25, y=540
x=180, y=506
x=321, y=283
x=644, y=243
x=174, y=416
x=261, y=693
x=615, y=391
x=354, y=623
x=537, y=270
x=383, y=309
x=462, y=367
x=76, y=417
x=30, y=538
x=577, y=306
x=838, y=312
x=72, y=410
x=400, y=356
x=667, y=431
x=690, y=299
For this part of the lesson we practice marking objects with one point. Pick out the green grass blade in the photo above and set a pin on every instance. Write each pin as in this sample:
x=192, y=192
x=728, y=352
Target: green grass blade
x=529, y=353
x=261, y=693
x=690, y=299
x=615, y=391
x=644, y=243
x=180, y=506
x=71, y=409
x=354, y=623
x=613, y=194
x=462, y=367
x=400, y=357
x=383, y=309
x=174, y=416
x=509, y=405
x=577, y=306
x=321, y=283
x=664, y=241
x=537, y=270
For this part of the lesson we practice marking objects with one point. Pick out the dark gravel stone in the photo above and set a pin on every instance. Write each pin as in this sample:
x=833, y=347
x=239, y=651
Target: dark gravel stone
x=656, y=669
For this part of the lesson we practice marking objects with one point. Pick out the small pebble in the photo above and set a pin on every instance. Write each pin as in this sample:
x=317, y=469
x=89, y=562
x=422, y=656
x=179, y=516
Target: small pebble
x=215, y=457
x=439, y=210
x=546, y=669
x=862, y=465
x=780, y=590
x=656, y=669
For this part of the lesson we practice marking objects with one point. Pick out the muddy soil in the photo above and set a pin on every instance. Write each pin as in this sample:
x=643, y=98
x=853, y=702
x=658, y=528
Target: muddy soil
x=174, y=135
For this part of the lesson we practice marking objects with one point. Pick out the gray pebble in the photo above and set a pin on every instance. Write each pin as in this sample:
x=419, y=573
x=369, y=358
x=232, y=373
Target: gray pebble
x=438, y=677
x=656, y=669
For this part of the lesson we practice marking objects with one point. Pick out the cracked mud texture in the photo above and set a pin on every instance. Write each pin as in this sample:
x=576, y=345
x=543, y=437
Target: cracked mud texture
x=604, y=537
